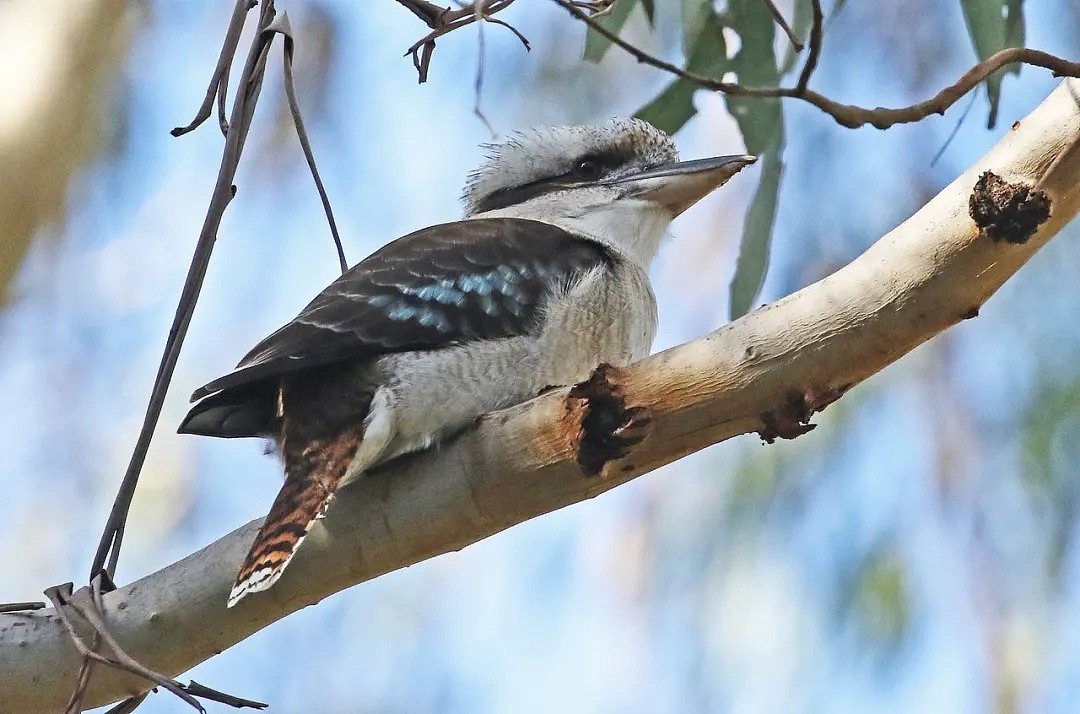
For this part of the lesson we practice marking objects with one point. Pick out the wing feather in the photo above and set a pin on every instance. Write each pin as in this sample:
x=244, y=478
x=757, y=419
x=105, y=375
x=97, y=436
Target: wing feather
x=443, y=285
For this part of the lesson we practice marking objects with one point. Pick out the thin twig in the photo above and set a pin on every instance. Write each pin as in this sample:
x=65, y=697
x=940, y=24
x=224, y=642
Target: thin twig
x=281, y=25
x=204, y=692
x=849, y=115
x=779, y=18
x=129, y=705
x=883, y=117
x=955, y=130
x=429, y=12
x=517, y=33
x=100, y=582
x=60, y=596
x=479, y=84
x=444, y=20
x=108, y=551
x=219, y=78
x=816, y=31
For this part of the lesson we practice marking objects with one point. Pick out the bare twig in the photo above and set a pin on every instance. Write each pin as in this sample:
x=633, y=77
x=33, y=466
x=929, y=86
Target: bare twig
x=955, y=130
x=281, y=25
x=219, y=79
x=443, y=20
x=779, y=18
x=849, y=115
x=243, y=108
x=129, y=705
x=816, y=31
x=204, y=692
x=479, y=84
x=108, y=551
x=60, y=596
x=100, y=582
x=429, y=12
x=517, y=33
x=883, y=117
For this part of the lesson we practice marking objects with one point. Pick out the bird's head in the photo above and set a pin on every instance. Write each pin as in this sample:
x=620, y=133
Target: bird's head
x=619, y=182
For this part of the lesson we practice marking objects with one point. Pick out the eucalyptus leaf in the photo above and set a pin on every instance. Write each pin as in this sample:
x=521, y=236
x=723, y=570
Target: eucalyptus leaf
x=650, y=11
x=707, y=56
x=696, y=16
x=673, y=108
x=994, y=25
x=756, y=241
x=761, y=122
x=596, y=45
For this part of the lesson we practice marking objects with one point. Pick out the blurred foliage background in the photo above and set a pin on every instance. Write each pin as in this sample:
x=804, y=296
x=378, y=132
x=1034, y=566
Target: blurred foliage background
x=917, y=552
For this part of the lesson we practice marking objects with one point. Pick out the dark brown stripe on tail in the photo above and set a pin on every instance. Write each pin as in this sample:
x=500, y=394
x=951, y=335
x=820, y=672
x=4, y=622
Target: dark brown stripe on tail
x=313, y=471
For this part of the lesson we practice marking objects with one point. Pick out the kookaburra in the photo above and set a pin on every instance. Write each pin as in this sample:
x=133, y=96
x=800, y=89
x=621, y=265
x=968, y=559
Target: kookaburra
x=545, y=278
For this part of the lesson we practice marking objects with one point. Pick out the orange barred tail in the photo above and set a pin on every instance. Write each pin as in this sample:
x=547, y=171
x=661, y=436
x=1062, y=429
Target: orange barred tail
x=312, y=477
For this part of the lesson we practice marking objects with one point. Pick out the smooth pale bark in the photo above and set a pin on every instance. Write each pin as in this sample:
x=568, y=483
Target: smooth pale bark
x=762, y=372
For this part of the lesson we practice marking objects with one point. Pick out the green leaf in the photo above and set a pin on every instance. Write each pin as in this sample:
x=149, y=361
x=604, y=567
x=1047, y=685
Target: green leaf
x=707, y=55
x=673, y=108
x=596, y=45
x=994, y=25
x=756, y=241
x=650, y=11
x=697, y=19
x=881, y=598
x=761, y=122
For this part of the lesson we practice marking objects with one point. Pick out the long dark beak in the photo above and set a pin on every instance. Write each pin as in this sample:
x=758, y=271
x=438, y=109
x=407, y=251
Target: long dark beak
x=679, y=186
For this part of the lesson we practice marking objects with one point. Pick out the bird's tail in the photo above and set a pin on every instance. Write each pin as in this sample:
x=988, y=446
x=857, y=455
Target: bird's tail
x=313, y=471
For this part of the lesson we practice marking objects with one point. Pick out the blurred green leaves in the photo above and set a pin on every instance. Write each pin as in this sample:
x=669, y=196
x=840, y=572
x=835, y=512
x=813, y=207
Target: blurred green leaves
x=879, y=600
x=994, y=25
x=1051, y=452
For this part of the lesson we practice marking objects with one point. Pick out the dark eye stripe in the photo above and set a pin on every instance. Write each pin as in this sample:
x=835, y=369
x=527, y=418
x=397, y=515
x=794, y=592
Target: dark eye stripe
x=514, y=195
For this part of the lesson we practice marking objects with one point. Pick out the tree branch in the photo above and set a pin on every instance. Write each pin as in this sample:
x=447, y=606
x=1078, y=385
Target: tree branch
x=848, y=115
x=766, y=373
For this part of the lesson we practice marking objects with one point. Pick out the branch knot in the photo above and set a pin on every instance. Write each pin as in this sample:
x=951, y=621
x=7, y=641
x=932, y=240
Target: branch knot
x=1006, y=211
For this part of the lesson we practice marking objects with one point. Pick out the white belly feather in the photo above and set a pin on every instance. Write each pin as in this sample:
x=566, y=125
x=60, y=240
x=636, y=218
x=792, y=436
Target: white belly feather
x=605, y=317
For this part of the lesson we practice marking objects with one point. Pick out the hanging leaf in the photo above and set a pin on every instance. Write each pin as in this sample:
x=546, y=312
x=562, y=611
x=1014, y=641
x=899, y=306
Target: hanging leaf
x=650, y=11
x=756, y=241
x=697, y=20
x=673, y=108
x=707, y=55
x=761, y=122
x=596, y=45
x=994, y=25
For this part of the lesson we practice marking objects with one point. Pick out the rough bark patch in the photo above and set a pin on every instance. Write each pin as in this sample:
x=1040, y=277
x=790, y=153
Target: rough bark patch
x=609, y=429
x=1005, y=211
x=792, y=419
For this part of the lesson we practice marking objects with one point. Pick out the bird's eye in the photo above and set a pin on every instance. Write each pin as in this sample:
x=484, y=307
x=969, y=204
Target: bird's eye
x=588, y=169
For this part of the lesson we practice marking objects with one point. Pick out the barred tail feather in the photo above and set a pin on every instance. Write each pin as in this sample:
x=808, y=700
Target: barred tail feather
x=312, y=476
